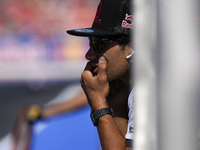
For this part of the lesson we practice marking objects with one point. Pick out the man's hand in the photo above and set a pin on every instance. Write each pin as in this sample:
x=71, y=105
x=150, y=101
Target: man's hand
x=33, y=114
x=96, y=87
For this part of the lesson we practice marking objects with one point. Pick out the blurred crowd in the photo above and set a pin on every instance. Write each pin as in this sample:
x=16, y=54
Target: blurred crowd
x=34, y=30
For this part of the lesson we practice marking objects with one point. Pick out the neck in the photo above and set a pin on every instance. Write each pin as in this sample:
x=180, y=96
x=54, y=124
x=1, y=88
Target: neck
x=127, y=79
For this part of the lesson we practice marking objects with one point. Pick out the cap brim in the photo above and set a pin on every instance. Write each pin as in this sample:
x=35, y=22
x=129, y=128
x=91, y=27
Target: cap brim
x=91, y=32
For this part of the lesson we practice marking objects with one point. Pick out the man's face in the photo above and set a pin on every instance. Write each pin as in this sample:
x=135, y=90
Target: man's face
x=117, y=64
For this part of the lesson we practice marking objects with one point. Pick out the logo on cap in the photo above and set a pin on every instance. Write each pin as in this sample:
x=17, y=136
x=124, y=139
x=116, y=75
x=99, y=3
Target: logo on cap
x=127, y=19
x=97, y=20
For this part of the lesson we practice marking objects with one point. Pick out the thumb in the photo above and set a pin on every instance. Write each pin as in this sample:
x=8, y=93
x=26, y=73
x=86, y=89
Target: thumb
x=102, y=74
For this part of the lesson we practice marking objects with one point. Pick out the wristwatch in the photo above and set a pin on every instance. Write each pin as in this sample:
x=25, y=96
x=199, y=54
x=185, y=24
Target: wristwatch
x=95, y=115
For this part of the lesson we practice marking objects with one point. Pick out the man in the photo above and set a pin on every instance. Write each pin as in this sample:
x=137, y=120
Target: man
x=109, y=64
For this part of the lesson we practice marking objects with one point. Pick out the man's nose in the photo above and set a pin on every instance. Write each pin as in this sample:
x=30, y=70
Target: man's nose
x=91, y=55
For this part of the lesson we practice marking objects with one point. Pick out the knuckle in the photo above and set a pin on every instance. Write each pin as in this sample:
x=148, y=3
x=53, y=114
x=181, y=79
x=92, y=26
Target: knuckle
x=81, y=80
x=83, y=75
x=102, y=79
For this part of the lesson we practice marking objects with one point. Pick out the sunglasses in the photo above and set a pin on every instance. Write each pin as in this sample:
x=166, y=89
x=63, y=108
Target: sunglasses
x=99, y=43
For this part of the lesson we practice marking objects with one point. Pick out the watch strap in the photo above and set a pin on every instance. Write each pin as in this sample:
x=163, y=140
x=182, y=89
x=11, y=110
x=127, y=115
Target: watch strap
x=95, y=115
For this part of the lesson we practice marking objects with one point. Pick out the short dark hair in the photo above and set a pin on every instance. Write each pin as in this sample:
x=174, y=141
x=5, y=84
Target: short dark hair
x=122, y=40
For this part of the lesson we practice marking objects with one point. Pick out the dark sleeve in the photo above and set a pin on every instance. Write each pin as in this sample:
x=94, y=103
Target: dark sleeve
x=129, y=143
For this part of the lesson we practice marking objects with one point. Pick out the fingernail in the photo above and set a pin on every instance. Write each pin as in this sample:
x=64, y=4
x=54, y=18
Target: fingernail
x=102, y=59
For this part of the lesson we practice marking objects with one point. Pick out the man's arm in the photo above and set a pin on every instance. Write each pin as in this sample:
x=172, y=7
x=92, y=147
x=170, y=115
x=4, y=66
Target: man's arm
x=74, y=103
x=109, y=133
x=97, y=89
x=35, y=112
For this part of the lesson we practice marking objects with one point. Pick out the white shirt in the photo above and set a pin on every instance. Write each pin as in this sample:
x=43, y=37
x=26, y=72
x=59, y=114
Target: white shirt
x=130, y=132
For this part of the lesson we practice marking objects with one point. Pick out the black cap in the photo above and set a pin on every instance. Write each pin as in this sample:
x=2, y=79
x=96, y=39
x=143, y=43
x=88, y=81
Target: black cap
x=113, y=17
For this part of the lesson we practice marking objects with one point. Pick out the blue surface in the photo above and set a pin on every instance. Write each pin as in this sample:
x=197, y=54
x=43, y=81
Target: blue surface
x=72, y=131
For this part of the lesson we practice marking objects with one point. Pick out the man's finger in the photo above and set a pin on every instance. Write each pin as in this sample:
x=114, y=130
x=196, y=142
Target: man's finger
x=87, y=71
x=88, y=67
x=102, y=67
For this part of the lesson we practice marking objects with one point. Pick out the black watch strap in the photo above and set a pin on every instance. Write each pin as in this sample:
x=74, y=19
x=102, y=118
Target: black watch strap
x=95, y=115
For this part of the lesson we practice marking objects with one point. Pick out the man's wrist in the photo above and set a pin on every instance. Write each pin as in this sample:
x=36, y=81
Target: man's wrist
x=100, y=104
